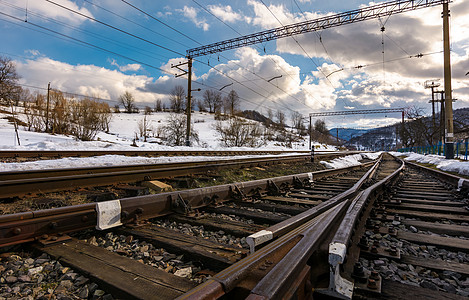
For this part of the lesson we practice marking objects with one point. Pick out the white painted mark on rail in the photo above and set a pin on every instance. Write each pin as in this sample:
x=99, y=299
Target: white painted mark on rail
x=109, y=214
x=258, y=238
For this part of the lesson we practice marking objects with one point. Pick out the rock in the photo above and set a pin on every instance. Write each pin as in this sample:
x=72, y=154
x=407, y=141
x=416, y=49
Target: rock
x=92, y=241
x=428, y=285
x=157, y=258
x=34, y=271
x=379, y=263
x=186, y=272
x=99, y=293
x=11, y=279
x=451, y=274
x=413, y=229
x=81, y=281
x=108, y=297
x=92, y=288
x=29, y=261
x=84, y=292
x=24, y=278
x=66, y=284
x=41, y=261
x=449, y=288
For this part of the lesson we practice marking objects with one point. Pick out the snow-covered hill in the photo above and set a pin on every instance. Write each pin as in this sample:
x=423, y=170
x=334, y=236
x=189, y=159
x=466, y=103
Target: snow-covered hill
x=123, y=130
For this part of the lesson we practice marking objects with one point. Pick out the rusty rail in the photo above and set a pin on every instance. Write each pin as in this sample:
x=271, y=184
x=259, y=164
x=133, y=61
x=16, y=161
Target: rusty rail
x=29, y=226
x=257, y=276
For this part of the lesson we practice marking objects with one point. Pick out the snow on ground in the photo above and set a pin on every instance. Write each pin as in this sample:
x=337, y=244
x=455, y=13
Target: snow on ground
x=448, y=165
x=123, y=129
x=350, y=160
x=114, y=160
x=342, y=162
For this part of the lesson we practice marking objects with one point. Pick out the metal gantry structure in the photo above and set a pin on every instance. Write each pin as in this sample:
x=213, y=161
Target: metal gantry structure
x=349, y=17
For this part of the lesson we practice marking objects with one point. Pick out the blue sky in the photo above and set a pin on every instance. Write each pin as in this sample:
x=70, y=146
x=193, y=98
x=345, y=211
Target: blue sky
x=84, y=56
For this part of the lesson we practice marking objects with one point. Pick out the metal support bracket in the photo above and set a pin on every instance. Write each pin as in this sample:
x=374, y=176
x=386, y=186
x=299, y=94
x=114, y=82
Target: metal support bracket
x=274, y=190
x=181, y=205
x=237, y=193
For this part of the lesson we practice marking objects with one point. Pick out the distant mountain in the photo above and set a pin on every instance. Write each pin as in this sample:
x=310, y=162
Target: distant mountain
x=347, y=133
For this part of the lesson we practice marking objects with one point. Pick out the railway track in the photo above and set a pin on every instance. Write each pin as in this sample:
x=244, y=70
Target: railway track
x=362, y=231
x=20, y=183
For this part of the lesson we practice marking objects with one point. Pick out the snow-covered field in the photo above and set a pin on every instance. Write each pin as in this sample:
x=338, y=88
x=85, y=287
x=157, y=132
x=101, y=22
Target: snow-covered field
x=123, y=129
x=440, y=162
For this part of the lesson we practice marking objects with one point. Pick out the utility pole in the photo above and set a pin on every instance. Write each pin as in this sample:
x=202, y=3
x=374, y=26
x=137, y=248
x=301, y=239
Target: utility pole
x=449, y=130
x=431, y=84
x=337, y=136
x=189, y=96
x=47, y=108
x=310, y=132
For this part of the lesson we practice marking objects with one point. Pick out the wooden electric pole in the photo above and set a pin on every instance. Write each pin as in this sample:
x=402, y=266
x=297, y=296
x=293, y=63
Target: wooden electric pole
x=449, y=130
x=47, y=108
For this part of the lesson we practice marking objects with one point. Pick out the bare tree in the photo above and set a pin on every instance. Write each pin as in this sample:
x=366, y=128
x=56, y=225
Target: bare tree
x=212, y=100
x=128, y=101
x=144, y=127
x=280, y=119
x=201, y=105
x=232, y=102
x=239, y=133
x=175, y=130
x=9, y=88
x=320, y=126
x=176, y=99
x=297, y=122
x=158, y=106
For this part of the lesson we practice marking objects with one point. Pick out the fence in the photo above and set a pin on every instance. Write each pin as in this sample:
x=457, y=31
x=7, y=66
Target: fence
x=460, y=149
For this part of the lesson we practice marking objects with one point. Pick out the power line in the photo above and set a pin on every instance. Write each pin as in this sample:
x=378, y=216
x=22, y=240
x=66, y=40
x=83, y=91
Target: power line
x=101, y=37
x=86, y=43
x=298, y=43
x=115, y=28
x=271, y=59
x=135, y=23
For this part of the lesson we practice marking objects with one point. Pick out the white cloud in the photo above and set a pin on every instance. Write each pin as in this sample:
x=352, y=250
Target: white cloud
x=125, y=68
x=225, y=13
x=191, y=13
x=84, y=79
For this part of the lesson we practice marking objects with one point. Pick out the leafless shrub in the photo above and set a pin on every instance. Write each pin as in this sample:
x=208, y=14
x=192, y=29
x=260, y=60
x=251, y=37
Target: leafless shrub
x=239, y=133
x=175, y=130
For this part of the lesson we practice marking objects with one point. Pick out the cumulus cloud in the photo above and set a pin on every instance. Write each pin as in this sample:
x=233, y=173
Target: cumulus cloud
x=191, y=14
x=87, y=80
x=126, y=68
x=225, y=13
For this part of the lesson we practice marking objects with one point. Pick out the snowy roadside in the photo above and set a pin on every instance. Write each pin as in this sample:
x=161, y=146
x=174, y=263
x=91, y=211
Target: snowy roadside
x=115, y=160
x=440, y=162
x=349, y=160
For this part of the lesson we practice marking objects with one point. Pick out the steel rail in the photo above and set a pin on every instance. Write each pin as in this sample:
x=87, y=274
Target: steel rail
x=343, y=286
x=57, y=172
x=454, y=180
x=15, y=184
x=87, y=153
x=68, y=179
x=286, y=255
x=29, y=226
x=287, y=225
